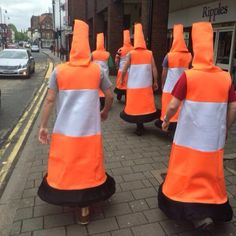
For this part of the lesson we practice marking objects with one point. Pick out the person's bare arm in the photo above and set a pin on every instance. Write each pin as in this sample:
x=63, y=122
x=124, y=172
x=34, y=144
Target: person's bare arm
x=108, y=103
x=231, y=114
x=163, y=77
x=117, y=61
x=47, y=109
x=154, y=74
x=171, y=110
x=125, y=68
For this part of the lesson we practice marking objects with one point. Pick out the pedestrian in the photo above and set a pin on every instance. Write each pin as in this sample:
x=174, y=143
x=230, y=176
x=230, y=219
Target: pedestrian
x=140, y=103
x=194, y=188
x=52, y=48
x=103, y=58
x=62, y=52
x=120, y=60
x=175, y=62
x=76, y=175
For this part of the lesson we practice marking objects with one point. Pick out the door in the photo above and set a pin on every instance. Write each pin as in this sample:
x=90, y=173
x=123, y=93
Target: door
x=223, y=47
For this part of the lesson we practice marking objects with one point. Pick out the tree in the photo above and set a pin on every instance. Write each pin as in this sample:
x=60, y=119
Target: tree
x=19, y=36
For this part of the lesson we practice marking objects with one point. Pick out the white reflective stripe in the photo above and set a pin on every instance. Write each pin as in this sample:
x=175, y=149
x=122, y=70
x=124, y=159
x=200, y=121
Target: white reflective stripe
x=104, y=66
x=140, y=76
x=172, y=77
x=201, y=126
x=78, y=113
x=122, y=62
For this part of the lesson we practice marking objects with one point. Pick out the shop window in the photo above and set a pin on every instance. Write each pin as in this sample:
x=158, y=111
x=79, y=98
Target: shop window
x=224, y=46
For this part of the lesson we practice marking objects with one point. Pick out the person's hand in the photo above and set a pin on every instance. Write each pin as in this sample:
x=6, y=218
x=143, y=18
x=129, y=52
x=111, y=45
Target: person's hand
x=162, y=86
x=43, y=136
x=104, y=115
x=122, y=81
x=155, y=86
x=165, y=124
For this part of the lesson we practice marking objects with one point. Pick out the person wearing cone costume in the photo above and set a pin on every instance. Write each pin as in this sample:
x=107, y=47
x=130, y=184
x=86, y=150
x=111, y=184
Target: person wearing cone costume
x=194, y=188
x=140, y=103
x=175, y=62
x=76, y=174
x=120, y=61
x=101, y=57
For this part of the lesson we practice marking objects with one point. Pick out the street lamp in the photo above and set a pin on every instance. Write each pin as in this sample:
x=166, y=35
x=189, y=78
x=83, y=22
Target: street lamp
x=54, y=27
x=3, y=13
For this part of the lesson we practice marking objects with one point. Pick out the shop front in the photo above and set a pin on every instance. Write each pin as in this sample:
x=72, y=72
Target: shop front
x=223, y=18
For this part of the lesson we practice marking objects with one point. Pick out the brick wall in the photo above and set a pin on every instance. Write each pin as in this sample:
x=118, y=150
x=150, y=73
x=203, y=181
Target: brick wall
x=115, y=27
x=76, y=10
x=159, y=31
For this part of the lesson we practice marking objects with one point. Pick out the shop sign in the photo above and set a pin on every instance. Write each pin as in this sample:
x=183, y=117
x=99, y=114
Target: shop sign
x=212, y=12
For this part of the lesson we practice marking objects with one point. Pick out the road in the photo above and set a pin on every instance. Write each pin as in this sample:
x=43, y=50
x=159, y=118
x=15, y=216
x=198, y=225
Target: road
x=17, y=94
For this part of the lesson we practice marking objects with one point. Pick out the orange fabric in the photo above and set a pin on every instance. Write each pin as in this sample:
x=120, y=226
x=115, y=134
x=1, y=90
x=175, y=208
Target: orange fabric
x=179, y=59
x=80, y=49
x=165, y=100
x=100, y=42
x=86, y=77
x=75, y=165
x=140, y=101
x=127, y=47
x=126, y=39
x=139, y=41
x=213, y=89
x=195, y=177
x=141, y=56
x=178, y=44
x=118, y=81
x=100, y=55
x=202, y=38
x=101, y=94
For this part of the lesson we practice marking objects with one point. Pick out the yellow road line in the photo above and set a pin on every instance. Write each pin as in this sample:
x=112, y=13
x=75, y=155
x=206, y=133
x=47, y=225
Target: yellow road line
x=13, y=154
x=50, y=67
x=20, y=141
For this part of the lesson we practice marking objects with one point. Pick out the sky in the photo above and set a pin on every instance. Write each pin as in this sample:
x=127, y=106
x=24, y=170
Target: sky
x=19, y=12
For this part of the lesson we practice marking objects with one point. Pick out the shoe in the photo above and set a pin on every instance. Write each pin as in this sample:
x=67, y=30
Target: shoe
x=119, y=96
x=82, y=216
x=138, y=132
x=158, y=124
x=205, y=224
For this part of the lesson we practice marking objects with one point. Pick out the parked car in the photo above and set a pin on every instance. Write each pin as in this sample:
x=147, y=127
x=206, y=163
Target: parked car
x=34, y=48
x=27, y=45
x=16, y=62
x=12, y=46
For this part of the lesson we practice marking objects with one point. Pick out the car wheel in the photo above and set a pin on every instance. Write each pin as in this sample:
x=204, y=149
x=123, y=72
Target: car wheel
x=27, y=74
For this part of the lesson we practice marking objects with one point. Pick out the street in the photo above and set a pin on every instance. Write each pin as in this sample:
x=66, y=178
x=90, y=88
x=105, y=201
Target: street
x=136, y=164
x=17, y=94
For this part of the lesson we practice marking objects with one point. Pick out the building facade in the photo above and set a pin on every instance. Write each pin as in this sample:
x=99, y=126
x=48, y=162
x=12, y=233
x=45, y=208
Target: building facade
x=222, y=15
x=113, y=16
x=41, y=30
x=158, y=18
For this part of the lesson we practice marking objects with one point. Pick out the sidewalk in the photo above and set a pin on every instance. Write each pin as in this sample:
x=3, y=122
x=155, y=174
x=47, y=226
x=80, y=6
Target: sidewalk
x=135, y=163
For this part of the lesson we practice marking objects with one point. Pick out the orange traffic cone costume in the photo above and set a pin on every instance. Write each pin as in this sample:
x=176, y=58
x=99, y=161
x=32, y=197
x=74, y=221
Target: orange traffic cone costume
x=140, y=104
x=76, y=174
x=178, y=61
x=194, y=187
x=123, y=51
x=101, y=56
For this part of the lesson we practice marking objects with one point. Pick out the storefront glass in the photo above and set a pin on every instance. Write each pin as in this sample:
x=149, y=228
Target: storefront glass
x=224, y=47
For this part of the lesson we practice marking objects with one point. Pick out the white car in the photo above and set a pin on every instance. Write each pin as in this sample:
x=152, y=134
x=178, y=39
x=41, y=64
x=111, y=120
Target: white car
x=16, y=62
x=35, y=48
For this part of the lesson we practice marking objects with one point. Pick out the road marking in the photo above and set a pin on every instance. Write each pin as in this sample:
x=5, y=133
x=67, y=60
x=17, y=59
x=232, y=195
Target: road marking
x=50, y=67
x=13, y=154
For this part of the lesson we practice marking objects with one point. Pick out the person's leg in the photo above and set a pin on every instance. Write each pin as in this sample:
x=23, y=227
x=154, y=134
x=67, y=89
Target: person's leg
x=83, y=215
x=119, y=96
x=139, y=129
